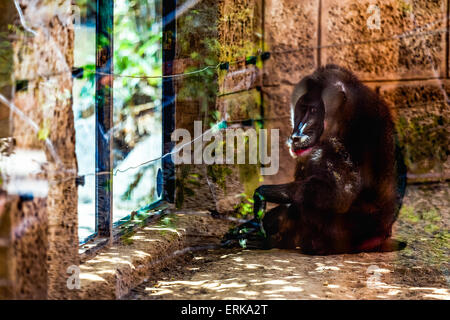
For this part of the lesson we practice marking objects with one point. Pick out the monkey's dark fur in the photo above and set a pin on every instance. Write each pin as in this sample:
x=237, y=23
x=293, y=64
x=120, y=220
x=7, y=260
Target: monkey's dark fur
x=350, y=177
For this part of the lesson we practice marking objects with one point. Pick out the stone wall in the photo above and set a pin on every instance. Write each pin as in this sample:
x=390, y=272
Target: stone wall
x=41, y=205
x=412, y=38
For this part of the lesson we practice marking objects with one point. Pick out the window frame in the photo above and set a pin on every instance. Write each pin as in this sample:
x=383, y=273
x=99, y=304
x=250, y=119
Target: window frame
x=105, y=228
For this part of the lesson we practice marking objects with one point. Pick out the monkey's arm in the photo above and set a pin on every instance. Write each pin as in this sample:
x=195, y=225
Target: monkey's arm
x=252, y=230
x=281, y=194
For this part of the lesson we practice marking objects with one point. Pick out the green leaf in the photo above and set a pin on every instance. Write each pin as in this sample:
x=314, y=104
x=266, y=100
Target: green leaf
x=260, y=214
x=44, y=133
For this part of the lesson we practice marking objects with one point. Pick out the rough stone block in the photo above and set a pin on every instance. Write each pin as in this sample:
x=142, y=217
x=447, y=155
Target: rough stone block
x=423, y=122
x=30, y=244
x=286, y=162
x=216, y=188
x=409, y=44
x=291, y=35
x=240, y=106
x=276, y=102
x=247, y=78
x=46, y=229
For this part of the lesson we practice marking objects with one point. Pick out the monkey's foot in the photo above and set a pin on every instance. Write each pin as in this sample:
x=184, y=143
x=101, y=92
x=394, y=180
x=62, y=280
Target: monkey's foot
x=247, y=235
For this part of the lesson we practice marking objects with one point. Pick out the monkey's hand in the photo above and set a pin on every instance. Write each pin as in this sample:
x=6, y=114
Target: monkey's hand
x=250, y=234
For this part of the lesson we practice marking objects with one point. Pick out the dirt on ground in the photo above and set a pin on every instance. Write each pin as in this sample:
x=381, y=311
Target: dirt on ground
x=420, y=271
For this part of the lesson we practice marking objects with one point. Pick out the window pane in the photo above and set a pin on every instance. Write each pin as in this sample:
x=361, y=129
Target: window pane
x=83, y=108
x=137, y=105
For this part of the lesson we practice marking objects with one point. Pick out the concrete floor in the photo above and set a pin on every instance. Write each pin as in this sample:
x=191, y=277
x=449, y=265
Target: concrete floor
x=421, y=271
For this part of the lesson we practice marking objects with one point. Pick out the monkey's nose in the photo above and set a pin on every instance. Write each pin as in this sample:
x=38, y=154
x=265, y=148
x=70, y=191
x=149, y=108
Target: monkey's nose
x=297, y=140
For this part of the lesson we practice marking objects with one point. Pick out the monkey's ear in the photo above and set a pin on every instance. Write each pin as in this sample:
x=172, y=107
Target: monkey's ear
x=301, y=89
x=333, y=96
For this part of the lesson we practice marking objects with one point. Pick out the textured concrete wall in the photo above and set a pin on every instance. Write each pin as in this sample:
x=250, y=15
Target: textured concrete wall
x=6, y=267
x=44, y=230
x=29, y=249
x=291, y=33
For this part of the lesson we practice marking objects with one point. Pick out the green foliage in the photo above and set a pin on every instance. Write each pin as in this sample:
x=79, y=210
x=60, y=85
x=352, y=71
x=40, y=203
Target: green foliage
x=250, y=177
x=168, y=221
x=132, y=186
x=407, y=212
x=414, y=215
x=425, y=234
x=137, y=51
x=244, y=208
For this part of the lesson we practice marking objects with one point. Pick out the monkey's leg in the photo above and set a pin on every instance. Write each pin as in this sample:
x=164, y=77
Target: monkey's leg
x=281, y=228
x=253, y=229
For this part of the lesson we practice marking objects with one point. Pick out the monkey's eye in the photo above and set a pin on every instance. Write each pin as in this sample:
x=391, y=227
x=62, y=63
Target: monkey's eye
x=313, y=110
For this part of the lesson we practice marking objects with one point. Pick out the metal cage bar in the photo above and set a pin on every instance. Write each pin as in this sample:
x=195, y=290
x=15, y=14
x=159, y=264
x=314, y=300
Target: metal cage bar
x=104, y=116
x=168, y=97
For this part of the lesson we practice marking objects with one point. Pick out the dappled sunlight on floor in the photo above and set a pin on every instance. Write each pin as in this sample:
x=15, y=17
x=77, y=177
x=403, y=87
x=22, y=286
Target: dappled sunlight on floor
x=282, y=274
x=420, y=271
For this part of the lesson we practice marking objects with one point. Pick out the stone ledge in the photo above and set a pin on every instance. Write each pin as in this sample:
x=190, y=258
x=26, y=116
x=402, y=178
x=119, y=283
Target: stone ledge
x=118, y=268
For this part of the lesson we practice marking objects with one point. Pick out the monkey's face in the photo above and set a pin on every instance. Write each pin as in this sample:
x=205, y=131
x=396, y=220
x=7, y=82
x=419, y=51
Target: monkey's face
x=308, y=123
x=317, y=109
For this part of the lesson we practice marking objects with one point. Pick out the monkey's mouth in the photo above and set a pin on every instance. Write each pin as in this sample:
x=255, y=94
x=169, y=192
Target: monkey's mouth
x=300, y=152
x=302, y=148
x=302, y=144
